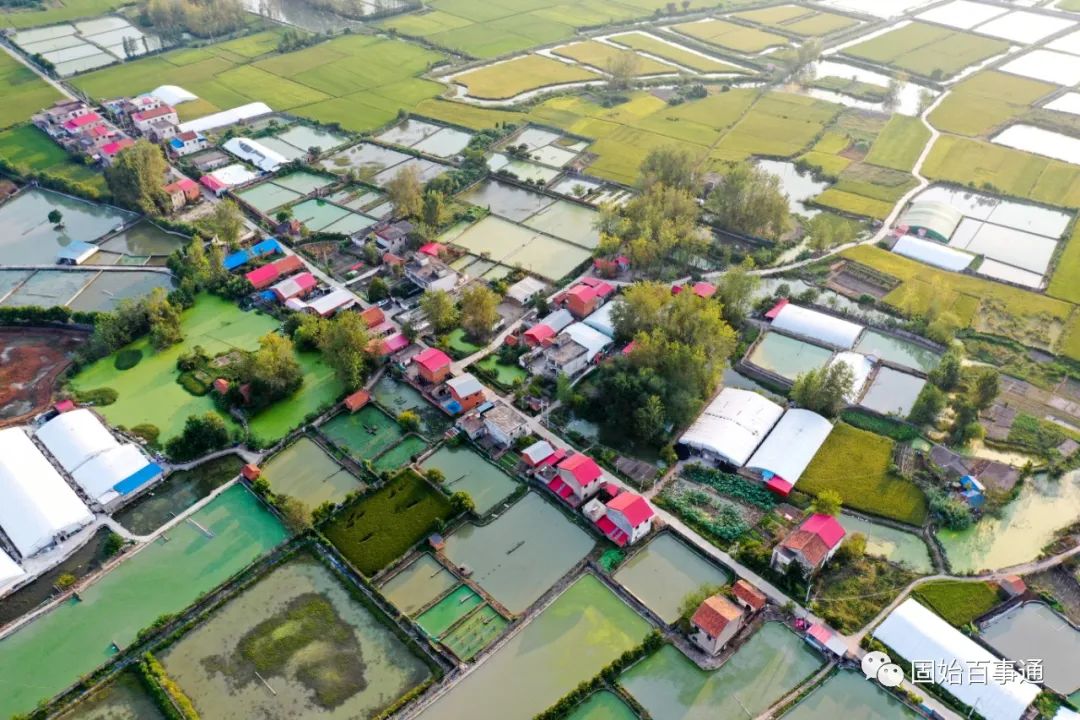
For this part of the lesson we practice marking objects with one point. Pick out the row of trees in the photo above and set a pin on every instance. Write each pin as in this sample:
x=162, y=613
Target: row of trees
x=154, y=314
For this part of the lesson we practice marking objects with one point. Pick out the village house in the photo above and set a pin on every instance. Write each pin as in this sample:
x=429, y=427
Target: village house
x=748, y=597
x=394, y=237
x=577, y=478
x=571, y=352
x=297, y=286
x=148, y=121
x=186, y=143
x=428, y=273
x=811, y=545
x=504, y=425
x=265, y=276
x=627, y=519
x=357, y=400
x=52, y=119
x=538, y=454
x=714, y=623
x=182, y=192
x=466, y=392
x=432, y=365
x=110, y=151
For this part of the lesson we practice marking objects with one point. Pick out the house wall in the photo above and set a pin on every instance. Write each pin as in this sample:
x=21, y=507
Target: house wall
x=471, y=401
x=438, y=376
x=713, y=645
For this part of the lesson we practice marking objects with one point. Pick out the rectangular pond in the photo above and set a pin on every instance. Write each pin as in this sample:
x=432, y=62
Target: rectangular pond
x=664, y=572
x=124, y=698
x=770, y=664
x=418, y=584
x=402, y=454
x=1018, y=215
x=892, y=392
x=788, y=357
x=396, y=396
x=850, y=696
x=568, y=221
x=901, y=352
x=363, y=434
x=53, y=651
x=586, y=628
x=520, y=554
x=475, y=632
x=108, y=289
x=49, y=287
x=507, y=201
x=304, y=471
x=1034, y=630
x=299, y=630
x=266, y=196
x=438, y=618
x=894, y=545
x=603, y=705
x=177, y=493
x=29, y=237
x=467, y=471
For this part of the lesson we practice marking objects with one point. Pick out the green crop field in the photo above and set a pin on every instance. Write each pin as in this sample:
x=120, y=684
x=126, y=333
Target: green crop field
x=852, y=204
x=686, y=58
x=23, y=92
x=530, y=72
x=381, y=527
x=730, y=36
x=899, y=144
x=359, y=81
x=958, y=602
x=778, y=125
x=798, y=20
x=1065, y=282
x=983, y=103
x=855, y=463
x=927, y=50
x=601, y=56
x=31, y=151
x=468, y=116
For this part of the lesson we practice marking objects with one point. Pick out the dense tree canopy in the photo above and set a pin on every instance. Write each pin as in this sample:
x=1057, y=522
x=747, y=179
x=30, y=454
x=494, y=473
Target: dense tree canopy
x=674, y=167
x=440, y=310
x=405, y=193
x=824, y=390
x=344, y=342
x=750, y=201
x=479, y=311
x=658, y=230
x=136, y=176
x=272, y=371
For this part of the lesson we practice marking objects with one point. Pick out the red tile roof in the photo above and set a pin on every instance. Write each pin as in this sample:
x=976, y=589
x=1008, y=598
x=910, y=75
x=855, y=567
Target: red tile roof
x=82, y=121
x=715, y=614
x=373, y=316
x=539, y=333
x=780, y=305
x=432, y=359
x=553, y=459
x=250, y=472
x=582, y=467
x=779, y=486
x=826, y=527
x=820, y=633
x=602, y=288
x=189, y=135
x=357, y=400
x=212, y=183
x=396, y=342
x=704, y=289
x=557, y=486
x=157, y=112
x=584, y=293
x=749, y=594
x=634, y=508
x=433, y=249
x=811, y=547
x=115, y=147
x=612, y=531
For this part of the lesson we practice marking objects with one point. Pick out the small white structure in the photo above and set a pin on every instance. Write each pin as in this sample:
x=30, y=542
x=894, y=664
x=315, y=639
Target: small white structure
x=331, y=302
x=574, y=349
x=537, y=453
x=172, y=94
x=601, y=319
x=790, y=447
x=715, y=622
x=525, y=289
x=38, y=506
x=732, y=426
x=919, y=635
x=256, y=153
x=861, y=367
x=232, y=175
x=817, y=326
x=10, y=572
x=226, y=117
x=100, y=475
x=588, y=337
x=932, y=253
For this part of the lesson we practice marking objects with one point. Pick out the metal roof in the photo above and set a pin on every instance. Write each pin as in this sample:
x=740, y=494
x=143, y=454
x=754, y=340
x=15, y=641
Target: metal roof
x=817, y=326
x=932, y=253
x=938, y=218
x=791, y=445
x=733, y=425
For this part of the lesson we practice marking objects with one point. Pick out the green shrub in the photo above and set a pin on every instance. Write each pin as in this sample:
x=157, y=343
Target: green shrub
x=127, y=359
x=192, y=384
x=148, y=432
x=97, y=396
x=901, y=432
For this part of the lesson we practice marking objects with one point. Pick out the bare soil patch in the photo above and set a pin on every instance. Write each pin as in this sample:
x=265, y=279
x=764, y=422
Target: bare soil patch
x=31, y=359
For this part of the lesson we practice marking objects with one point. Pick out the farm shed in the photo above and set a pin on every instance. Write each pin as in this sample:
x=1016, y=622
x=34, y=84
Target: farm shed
x=917, y=633
x=932, y=219
x=783, y=456
x=932, y=253
x=38, y=505
x=589, y=338
x=75, y=437
x=256, y=153
x=733, y=425
x=817, y=326
x=601, y=319
x=226, y=117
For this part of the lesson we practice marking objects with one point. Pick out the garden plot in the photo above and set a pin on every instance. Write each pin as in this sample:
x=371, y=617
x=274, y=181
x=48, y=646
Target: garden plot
x=304, y=471
x=664, y=572
x=521, y=554
x=1024, y=27
x=1048, y=65
x=962, y=14
x=468, y=472
x=86, y=45
x=1041, y=142
x=418, y=585
x=928, y=50
x=299, y=631
x=428, y=138
x=892, y=392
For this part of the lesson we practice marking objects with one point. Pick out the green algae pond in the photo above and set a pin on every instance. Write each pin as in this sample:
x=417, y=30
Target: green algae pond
x=177, y=493
x=901, y=352
x=475, y=632
x=1024, y=527
x=401, y=454
x=505, y=374
x=466, y=470
x=122, y=699
x=321, y=651
x=850, y=696
x=603, y=705
x=664, y=572
x=320, y=390
x=45, y=656
x=363, y=434
x=304, y=471
x=397, y=396
x=770, y=664
x=437, y=619
x=583, y=630
x=419, y=583
x=897, y=546
x=520, y=554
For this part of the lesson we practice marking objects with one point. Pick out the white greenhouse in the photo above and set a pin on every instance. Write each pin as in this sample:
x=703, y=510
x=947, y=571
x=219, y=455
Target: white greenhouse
x=790, y=447
x=861, y=367
x=817, y=326
x=75, y=437
x=919, y=635
x=38, y=506
x=733, y=425
x=932, y=253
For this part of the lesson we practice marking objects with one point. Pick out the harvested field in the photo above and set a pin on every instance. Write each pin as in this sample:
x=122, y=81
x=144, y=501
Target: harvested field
x=677, y=54
x=602, y=57
x=30, y=361
x=730, y=36
x=511, y=78
x=798, y=20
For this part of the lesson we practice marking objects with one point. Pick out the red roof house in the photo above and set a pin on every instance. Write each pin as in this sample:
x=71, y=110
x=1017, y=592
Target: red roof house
x=715, y=622
x=266, y=275
x=812, y=544
x=538, y=335
x=1013, y=585
x=83, y=121
x=433, y=249
x=433, y=365
x=373, y=316
x=212, y=184
x=221, y=386
x=114, y=147
x=536, y=454
x=250, y=472
x=296, y=286
x=748, y=596
x=627, y=520
x=187, y=186
x=577, y=478
x=704, y=289
x=357, y=400
x=581, y=300
x=602, y=288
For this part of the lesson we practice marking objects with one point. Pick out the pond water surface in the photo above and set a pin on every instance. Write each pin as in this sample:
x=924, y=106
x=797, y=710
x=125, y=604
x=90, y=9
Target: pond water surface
x=788, y=357
x=465, y=470
x=664, y=572
x=901, y=352
x=604, y=705
x=30, y=239
x=304, y=471
x=1041, y=142
x=892, y=392
x=177, y=493
x=123, y=699
x=418, y=584
x=894, y=545
x=849, y=696
x=798, y=186
x=1034, y=630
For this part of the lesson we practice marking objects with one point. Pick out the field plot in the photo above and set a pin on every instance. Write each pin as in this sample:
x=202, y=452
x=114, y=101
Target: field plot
x=299, y=630
x=358, y=81
x=856, y=463
x=24, y=92
x=35, y=16
x=927, y=50
x=778, y=125
x=521, y=554
x=667, y=50
x=730, y=36
x=418, y=584
x=382, y=526
x=304, y=471
x=962, y=14
x=86, y=44
x=1065, y=282
x=467, y=471
x=899, y=145
x=505, y=80
x=978, y=105
x=602, y=57
x=122, y=699
x=30, y=150
x=664, y=572
x=363, y=434
x=798, y=20
x=1047, y=143
x=68, y=642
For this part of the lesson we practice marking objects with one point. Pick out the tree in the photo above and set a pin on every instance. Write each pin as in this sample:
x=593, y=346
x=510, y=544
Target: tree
x=853, y=549
x=272, y=371
x=928, y=405
x=947, y=374
x=802, y=61
x=825, y=231
x=894, y=90
x=439, y=310
x=306, y=330
x=377, y=290
x=197, y=263
x=408, y=420
x=564, y=389
x=435, y=476
x=225, y=223
x=56, y=218
x=986, y=387
x=656, y=227
x=344, y=342
x=405, y=193
x=622, y=70
x=434, y=208
x=283, y=215
x=295, y=513
x=135, y=178
x=824, y=390
x=736, y=289
x=461, y=502
x=479, y=311
x=827, y=502
x=650, y=419
x=671, y=166
x=66, y=580
x=202, y=434
x=953, y=512
x=164, y=320
x=750, y=201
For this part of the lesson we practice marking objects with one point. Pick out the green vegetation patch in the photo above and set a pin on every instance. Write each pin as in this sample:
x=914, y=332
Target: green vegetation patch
x=381, y=527
x=853, y=204
x=23, y=91
x=986, y=101
x=899, y=145
x=931, y=51
x=778, y=125
x=798, y=20
x=655, y=46
x=28, y=150
x=1037, y=435
x=731, y=36
x=1065, y=282
x=505, y=80
x=127, y=358
x=857, y=464
x=957, y=601
x=849, y=593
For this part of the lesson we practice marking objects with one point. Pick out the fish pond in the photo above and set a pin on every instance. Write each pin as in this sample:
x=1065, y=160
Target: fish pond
x=586, y=628
x=894, y=545
x=402, y=454
x=603, y=705
x=363, y=434
x=788, y=357
x=850, y=696
x=29, y=237
x=396, y=397
x=177, y=493
x=520, y=554
x=797, y=185
x=664, y=572
x=418, y=584
x=901, y=352
x=1025, y=526
x=770, y=664
x=304, y=471
x=892, y=392
x=299, y=631
x=48, y=654
x=467, y=471
x=107, y=289
x=1034, y=630
x=123, y=699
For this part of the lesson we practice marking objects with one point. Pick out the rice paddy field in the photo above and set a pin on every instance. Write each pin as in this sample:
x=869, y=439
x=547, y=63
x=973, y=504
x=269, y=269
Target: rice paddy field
x=900, y=143
x=798, y=20
x=674, y=52
x=358, y=81
x=24, y=92
x=505, y=80
x=730, y=36
x=930, y=51
x=987, y=101
x=30, y=150
x=598, y=55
